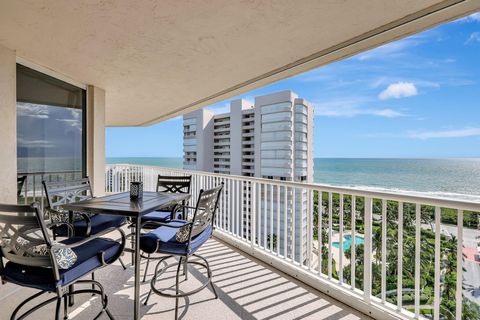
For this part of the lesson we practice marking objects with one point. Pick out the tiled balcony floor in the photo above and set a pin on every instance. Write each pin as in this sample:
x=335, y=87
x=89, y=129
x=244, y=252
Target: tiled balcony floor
x=247, y=288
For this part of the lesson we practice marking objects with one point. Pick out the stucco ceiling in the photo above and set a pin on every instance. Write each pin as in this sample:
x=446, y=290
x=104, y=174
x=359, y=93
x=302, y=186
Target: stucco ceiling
x=158, y=59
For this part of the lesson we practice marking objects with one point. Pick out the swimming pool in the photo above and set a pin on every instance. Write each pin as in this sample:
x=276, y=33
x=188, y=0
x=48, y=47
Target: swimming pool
x=347, y=242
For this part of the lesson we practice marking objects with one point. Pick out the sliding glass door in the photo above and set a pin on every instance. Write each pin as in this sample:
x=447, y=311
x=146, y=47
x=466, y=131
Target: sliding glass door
x=51, y=133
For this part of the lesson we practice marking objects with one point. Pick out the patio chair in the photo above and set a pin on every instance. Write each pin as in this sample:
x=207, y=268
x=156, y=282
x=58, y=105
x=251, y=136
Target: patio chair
x=35, y=261
x=173, y=184
x=181, y=239
x=84, y=223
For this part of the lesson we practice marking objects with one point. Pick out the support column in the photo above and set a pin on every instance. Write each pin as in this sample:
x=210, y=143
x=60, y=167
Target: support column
x=8, y=126
x=96, y=139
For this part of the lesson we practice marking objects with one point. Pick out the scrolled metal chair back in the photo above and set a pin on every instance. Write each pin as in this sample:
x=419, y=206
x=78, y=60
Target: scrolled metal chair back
x=63, y=192
x=24, y=237
x=174, y=184
x=205, y=210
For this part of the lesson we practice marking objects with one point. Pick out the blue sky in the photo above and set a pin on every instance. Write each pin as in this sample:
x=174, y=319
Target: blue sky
x=417, y=97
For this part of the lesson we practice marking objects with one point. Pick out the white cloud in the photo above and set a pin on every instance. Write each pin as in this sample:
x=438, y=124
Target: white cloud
x=352, y=107
x=396, y=48
x=33, y=110
x=399, y=90
x=474, y=37
x=417, y=82
x=461, y=133
x=474, y=17
x=34, y=143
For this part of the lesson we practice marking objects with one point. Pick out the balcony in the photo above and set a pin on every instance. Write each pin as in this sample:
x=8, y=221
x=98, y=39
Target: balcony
x=247, y=288
x=378, y=223
x=387, y=255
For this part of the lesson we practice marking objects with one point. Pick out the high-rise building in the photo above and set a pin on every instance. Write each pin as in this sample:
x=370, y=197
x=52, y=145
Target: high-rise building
x=272, y=138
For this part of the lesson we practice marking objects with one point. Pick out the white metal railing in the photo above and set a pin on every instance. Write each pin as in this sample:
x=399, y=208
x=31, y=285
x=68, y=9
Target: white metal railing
x=309, y=230
x=31, y=189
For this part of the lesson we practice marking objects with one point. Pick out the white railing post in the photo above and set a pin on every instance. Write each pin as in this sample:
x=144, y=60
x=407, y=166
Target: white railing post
x=384, y=251
x=340, y=236
x=330, y=214
x=352, y=246
x=253, y=213
x=367, y=268
x=459, y=292
x=436, y=302
x=417, y=258
x=400, y=257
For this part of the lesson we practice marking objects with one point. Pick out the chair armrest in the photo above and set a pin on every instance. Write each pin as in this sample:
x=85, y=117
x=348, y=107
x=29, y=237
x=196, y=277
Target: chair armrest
x=171, y=224
x=91, y=238
x=81, y=214
x=180, y=207
x=86, y=239
x=59, y=224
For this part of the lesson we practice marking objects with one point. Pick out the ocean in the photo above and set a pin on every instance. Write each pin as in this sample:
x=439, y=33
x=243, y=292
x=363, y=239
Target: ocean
x=452, y=178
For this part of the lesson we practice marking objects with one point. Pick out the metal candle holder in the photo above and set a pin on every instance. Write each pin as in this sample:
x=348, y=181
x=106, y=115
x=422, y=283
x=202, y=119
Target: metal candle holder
x=136, y=190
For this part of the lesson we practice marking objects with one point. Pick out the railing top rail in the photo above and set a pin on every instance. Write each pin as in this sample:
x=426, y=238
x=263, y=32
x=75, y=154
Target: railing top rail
x=401, y=196
x=31, y=173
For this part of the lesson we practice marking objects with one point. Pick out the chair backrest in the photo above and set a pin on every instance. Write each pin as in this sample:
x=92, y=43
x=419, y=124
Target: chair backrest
x=62, y=192
x=174, y=184
x=23, y=236
x=205, y=209
x=20, y=183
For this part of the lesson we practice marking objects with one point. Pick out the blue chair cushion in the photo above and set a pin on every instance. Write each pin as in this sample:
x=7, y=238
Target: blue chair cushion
x=42, y=278
x=157, y=216
x=98, y=222
x=167, y=242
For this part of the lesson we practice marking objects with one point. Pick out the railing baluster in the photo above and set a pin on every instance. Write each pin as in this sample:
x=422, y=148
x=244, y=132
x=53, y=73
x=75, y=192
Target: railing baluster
x=271, y=218
x=319, y=231
x=33, y=187
x=238, y=207
x=285, y=223
x=300, y=214
x=253, y=213
x=42, y=195
x=278, y=220
x=25, y=201
x=265, y=215
x=330, y=216
x=242, y=208
x=259, y=215
x=310, y=227
x=459, y=292
x=436, y=302
x=353, y=244
x=231, y=220
x=228, y=204
x=294, y=218
x=340, y=231
x=417, y=258
x=400, y=257
x=367, y=274
x=248, y=210
x=384, y=251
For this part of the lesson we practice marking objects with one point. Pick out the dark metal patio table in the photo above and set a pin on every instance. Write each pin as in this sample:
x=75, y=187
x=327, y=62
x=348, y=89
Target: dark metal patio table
x=121, y=204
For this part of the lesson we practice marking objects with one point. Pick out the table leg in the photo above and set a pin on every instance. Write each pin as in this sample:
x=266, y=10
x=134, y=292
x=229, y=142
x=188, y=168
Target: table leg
x=136, y=315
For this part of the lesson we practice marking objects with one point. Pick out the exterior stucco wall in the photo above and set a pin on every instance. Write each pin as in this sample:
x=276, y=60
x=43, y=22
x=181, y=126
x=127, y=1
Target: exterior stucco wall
x=96, y=104
x=8, y=126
